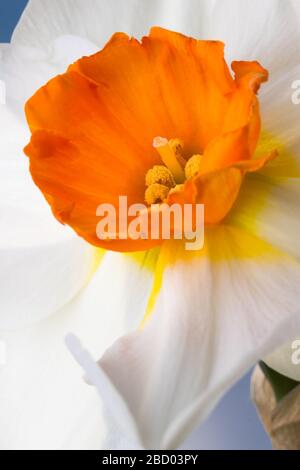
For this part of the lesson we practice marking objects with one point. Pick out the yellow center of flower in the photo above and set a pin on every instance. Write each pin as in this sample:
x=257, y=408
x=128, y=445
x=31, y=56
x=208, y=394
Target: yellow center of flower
x=160, y=174
x=156, y=193
x=193, y=165
x=176, y=169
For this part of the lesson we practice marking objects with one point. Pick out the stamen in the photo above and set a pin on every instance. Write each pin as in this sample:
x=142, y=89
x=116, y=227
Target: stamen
x=193, y=166
x=169, y=151
x=156, y=193
x=160, y=174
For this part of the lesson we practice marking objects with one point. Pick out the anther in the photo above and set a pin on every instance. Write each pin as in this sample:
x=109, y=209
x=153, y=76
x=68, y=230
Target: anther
x=193, y=165
x=156, y=193
x=160, y=174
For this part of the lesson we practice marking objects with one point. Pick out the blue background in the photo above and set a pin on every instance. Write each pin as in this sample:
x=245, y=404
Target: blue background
x=234, y=423
x=10, y=11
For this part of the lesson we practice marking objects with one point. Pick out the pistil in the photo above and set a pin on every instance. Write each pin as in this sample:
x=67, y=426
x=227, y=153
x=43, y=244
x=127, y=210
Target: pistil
x=169, y=150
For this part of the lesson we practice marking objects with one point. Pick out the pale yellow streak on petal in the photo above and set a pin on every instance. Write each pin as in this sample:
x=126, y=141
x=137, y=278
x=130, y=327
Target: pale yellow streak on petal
x=145, y=259
x=286, y=164
x=246, y=247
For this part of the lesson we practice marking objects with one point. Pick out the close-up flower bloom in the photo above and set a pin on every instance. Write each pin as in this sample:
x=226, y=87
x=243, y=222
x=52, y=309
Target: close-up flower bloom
x=164, y=102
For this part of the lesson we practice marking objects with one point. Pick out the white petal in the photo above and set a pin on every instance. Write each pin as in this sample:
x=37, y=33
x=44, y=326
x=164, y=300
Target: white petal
x=252, y=29
x=47, y=403
x=250, y=26
x=25, y=69
x=280, y=114
x=286, y=359
x=118, y=410
x=217, y=313
x=37, y=281
x=97, y=20
x=43, y=264
x=269, y=208
x=255, y=30
x=267, y=31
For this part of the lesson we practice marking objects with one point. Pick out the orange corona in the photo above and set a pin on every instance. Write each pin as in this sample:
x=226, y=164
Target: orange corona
x=162, y=121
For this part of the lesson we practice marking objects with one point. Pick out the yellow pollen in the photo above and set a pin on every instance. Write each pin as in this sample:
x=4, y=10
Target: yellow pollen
x=193, y=166
x=160, y=174
x=156, y=193
x=170, y=152
x=163, y=180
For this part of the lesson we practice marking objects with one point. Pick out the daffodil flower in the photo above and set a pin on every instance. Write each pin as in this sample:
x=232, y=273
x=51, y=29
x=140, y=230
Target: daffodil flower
x=224, y=137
